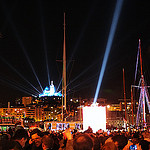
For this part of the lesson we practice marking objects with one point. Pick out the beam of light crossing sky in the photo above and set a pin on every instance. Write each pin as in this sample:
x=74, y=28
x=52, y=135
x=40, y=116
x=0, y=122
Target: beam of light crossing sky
x=109, y=44
x=21, y=44
x=82, y=83
x=17, y=86
x=14, y=69
x=59, y=84
x=82, y=33
x=147, y=99
x=137, y=60
x=28, y=59
x=78, y=42
x=44, y=43
x=82, y=73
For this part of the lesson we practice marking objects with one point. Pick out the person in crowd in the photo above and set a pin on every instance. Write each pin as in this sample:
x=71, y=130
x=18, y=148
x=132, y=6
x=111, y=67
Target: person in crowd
x=36, y=140
x=102, y=139
x=145, y=145
x=19, y=139
x=96, y=142
x=66, y=143
x=120, y=141
x=56, y=141
x=10, y=131
x=47, y=142
x=89, y=130
x=4, y=142
x=109, y=146
x=133, y=142
x=146, y=135
x=83, y=141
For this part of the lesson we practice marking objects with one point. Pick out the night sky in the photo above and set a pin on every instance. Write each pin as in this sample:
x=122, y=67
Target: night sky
x=32, y=40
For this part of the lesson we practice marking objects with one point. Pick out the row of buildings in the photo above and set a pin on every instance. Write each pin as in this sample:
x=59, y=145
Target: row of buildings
x=32, y=109
x=28, y=111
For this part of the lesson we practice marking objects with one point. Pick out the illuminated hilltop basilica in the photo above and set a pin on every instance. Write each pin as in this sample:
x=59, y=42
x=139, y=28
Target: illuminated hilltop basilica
x=50, y=91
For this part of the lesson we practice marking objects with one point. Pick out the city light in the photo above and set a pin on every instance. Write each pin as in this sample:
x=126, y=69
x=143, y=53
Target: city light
x=108, y=106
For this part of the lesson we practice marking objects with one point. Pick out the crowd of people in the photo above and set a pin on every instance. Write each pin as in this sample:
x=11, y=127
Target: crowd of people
x=22, y=139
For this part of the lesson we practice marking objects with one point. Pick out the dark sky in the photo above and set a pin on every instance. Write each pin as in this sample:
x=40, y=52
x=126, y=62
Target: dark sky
x=32, y=39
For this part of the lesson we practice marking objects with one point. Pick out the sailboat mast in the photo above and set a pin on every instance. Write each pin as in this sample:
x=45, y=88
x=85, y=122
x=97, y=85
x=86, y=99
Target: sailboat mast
x=124, y=96
x=143, y=89
x=64, y=66
x=132, y=105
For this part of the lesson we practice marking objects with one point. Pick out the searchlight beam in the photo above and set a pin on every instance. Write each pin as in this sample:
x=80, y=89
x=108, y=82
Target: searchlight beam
x=109, y=44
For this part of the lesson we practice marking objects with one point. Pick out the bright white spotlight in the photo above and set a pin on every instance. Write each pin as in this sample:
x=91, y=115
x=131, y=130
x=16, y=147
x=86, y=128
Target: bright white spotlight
x=108, y=46
x=95, y=117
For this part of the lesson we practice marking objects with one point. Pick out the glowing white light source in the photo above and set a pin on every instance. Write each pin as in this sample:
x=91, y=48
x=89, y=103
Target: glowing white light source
x=95, y=117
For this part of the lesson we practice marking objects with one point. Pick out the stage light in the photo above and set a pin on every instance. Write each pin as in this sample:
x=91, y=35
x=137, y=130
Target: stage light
x=95, y=117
